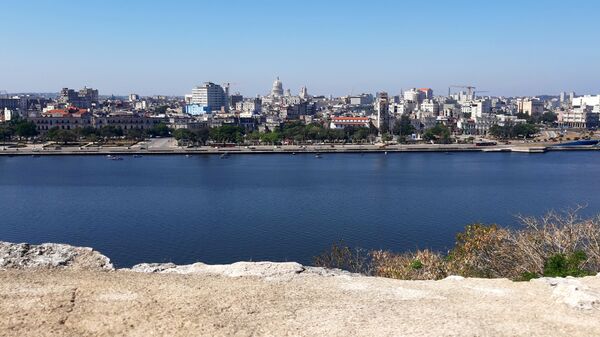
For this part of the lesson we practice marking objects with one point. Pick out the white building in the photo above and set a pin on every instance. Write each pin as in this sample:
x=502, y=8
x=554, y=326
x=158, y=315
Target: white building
x=587, y=100
x=480, y=108
x=343, y=122
x=430, y=107
x=251, y=106
x=210, y=95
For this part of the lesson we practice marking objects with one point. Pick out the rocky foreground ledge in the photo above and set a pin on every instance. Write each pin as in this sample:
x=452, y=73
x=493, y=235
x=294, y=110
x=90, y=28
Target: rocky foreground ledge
x=54, y=289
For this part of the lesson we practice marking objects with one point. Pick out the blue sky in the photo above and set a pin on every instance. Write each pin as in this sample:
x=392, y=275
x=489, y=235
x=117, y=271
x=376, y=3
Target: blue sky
x=333, y=47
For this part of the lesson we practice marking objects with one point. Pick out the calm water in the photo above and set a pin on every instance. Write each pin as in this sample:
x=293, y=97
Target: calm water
x=279, y=207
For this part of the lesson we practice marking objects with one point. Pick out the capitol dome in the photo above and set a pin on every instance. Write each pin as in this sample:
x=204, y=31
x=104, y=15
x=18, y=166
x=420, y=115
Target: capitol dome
x=277, y=88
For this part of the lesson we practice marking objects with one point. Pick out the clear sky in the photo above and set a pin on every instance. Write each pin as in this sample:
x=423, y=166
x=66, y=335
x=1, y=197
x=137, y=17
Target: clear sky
x=333, y=47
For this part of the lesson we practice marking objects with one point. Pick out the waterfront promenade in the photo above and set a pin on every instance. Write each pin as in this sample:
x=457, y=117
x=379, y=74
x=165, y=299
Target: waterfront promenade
x=166, y=146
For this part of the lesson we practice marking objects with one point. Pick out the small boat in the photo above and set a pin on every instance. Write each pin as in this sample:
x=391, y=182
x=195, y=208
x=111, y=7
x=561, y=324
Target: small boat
x=188, y=156
x=385, y=153
x=224, y=155
x=318, y=156
x=293, y=153
x=137, y=156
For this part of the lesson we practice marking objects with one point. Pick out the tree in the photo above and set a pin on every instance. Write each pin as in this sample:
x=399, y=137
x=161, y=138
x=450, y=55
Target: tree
x=160, y=130
x=386, y=137
x=439, y=134
x=184, y=136
x=25, y=129
x=510, y=130
x=6, y=132
x=111, y=131
x=497, y=131
x=61, y=136
x=525, y=130
x=135, y=134
x=87, y=132
x=549, y=117
x=66, y=136
x=226, y=133
x=361, y=134
x=403, y=128
x=272, y=137
x=202, y=135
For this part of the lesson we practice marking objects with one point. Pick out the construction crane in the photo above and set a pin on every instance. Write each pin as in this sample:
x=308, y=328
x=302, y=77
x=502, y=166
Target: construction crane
x=470, y=89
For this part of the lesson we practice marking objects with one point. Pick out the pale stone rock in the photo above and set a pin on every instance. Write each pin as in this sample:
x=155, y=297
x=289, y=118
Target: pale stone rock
x=454, y=278
x=51, y=255
x=572, y=292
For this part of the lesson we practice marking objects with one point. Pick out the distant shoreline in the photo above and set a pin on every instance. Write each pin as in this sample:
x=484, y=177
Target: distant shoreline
x=286, y=149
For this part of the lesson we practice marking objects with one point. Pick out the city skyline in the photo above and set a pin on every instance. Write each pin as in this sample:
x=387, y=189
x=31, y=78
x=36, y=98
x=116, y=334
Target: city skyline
x=339, y=48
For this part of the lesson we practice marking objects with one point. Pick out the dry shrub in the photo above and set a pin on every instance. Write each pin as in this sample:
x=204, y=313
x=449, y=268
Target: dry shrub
x=482, y=251
x=557, y=234
x=420, y=265
x=343, y=257
x=555, y=244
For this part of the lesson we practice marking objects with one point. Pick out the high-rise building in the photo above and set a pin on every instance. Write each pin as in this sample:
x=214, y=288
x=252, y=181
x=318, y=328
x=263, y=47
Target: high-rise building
x=133, y=97
x=82, y=99
x=210, y=96
x=382, y=109
x=303, y=93
x=426, y=93
x=530, y=106
x=89, y=94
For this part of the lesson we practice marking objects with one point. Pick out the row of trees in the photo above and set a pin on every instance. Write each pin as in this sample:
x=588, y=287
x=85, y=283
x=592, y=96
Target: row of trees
x=510, y=131
x=291, y=132
x=547, y=117
x=104, y=133
x=17, y=128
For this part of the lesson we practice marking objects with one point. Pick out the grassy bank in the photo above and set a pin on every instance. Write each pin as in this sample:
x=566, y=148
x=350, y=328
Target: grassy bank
x=556, y=245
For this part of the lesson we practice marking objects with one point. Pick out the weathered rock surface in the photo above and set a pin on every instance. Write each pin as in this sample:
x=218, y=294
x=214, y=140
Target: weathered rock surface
x=51, y=255
x=573, y=292
x=266, y=270
x=61, y=290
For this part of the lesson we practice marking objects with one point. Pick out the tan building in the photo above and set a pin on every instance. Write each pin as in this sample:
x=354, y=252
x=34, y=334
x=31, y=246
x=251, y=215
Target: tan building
x=530, y=106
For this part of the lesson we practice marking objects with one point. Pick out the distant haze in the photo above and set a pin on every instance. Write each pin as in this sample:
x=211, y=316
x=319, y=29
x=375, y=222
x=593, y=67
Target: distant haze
x=332, y=47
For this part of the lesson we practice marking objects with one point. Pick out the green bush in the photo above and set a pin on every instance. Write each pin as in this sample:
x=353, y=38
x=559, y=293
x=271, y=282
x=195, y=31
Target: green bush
x=416, y=264
x=561, y=265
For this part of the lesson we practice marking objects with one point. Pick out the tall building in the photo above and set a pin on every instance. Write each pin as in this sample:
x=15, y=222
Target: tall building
x=235, y=99
x=82, y=99
x=303, y=93
x=530, y=106
x=426, y=93
x=211, y=97
x=134, y=97
x=89, y=93
x=383, y=113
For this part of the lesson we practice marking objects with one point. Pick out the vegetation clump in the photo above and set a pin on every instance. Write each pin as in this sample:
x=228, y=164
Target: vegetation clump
x=555, y=245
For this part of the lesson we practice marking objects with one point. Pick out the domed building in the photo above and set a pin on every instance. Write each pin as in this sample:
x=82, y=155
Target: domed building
x=277, y=90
